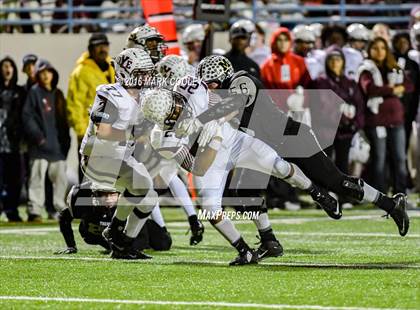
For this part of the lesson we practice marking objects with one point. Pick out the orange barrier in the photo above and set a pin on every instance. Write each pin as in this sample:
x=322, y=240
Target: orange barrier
x=160, y=14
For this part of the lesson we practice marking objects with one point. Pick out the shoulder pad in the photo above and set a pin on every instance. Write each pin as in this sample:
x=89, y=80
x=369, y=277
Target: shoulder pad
x=244, y=85
x=189, y=85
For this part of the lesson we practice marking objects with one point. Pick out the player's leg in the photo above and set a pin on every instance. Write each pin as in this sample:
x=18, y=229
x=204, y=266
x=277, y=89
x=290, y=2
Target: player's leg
x=134, y=207
x=257, y=155
x=322, y=171
x=210, y=189
x=180, y=192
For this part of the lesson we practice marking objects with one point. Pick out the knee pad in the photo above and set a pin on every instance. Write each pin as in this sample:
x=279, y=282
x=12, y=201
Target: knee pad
x=353, y=187
x=281, y=168
x=141, y=214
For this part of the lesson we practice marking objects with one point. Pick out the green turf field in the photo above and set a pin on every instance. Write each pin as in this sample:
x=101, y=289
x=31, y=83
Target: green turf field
x=359, y=262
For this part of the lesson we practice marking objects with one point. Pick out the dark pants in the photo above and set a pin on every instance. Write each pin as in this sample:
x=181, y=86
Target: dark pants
x=152, y=236
x=340, y=149
x=391, y=148
x=10, y=183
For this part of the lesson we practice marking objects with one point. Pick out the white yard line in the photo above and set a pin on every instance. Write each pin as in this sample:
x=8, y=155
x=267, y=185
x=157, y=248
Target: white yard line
x=212, y=262
x=40, y=230
x=185, y=303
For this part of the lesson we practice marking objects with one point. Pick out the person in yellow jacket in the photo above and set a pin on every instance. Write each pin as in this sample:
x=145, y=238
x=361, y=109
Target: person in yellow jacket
x=93, y=69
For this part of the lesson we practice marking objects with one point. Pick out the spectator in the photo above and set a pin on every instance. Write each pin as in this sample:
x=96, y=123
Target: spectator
x=45, y=126
x=192, y=38
x=401, y=46
x=29, y=61
x=352, y=108
x=304, y=43
x=284, y=69
x=12, y=98
x=414, y=54
x=28, y=68
x=354, y=51
x=334, y=35
x=93, y=69
x=258, y=51
x=382, y=83
x=382, y=31
x=239, y=37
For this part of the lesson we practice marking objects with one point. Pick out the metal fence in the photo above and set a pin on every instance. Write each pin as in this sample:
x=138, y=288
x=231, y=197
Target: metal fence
x=283, y=13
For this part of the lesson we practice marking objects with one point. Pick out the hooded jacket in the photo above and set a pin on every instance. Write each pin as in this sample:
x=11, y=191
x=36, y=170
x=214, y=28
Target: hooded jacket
x=82, y=90
x=325, y=106
x=45, y=142
x=12, y=98
x=271, y=70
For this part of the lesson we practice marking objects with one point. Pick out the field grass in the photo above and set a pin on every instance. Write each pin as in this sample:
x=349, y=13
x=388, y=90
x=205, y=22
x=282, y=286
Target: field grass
x=357, y=262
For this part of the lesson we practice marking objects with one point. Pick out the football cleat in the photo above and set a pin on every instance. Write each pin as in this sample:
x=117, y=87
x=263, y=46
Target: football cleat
x=269, y=248
x=245, y=258
x=399, y=213
x=69, y=250
x=326, y=202
x=116, y=239
x=133, y=254
x=197, y=232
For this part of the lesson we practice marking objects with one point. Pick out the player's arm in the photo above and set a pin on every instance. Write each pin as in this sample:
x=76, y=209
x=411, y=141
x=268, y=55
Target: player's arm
x=105, y=115
x=64, y=220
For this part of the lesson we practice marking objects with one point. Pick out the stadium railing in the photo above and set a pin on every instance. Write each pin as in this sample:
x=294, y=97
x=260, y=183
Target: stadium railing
x=334, y=13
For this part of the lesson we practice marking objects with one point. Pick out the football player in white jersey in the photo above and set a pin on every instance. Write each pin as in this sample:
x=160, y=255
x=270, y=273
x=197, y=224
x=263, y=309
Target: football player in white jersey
x=108, y=145
x=148, y=39
x=295, y=141
x=238, y=149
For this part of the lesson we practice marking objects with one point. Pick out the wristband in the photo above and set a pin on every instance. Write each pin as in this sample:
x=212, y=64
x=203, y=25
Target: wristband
x=215, y=144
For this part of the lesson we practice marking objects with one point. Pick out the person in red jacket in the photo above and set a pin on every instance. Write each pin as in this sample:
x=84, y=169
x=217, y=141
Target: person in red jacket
x=383, y=84
x=284, y=69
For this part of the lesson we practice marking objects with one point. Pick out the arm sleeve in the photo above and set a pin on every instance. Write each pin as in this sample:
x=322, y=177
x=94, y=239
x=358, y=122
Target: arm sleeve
x=370, y=89
x=66, y=230
x=76, y=109
x=31, y=128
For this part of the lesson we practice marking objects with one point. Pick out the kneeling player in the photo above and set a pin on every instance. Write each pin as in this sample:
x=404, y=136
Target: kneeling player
x=95, y=209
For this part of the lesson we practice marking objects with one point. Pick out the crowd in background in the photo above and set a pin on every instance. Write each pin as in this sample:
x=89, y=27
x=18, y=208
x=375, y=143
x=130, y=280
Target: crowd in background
x=109, y=11
x=374, y=71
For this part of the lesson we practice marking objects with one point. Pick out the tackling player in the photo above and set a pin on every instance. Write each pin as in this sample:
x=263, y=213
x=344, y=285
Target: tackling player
x=275, y=128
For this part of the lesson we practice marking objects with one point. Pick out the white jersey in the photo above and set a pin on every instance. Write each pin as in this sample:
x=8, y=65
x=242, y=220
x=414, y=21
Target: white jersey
x=414, y=55
x=354, y=59
x=315, y=62
x=197, y=95
x=113, y=105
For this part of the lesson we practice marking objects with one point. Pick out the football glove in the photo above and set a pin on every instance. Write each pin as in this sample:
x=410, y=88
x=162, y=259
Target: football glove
x=210, y=130
x=69, y=250
x=187, y=127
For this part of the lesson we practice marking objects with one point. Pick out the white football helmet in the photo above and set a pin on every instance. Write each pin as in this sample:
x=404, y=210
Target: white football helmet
x=133, y=67
x=191, y=33
x=316, y=29
x=173, y=67
x=358, y=31
x=214, y=68
x=303, y=33
x=241, y=28
x=139, y=38
x=162, y=107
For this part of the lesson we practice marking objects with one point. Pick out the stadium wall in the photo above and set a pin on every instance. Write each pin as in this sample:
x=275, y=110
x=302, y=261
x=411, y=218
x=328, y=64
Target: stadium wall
x=63, y=50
